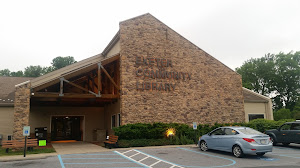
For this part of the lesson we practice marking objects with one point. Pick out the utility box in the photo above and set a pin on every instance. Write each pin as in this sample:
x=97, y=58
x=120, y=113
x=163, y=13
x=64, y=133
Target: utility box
x=41, y=133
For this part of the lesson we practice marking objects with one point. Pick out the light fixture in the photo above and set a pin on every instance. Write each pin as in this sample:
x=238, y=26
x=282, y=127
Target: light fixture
x=170, y=132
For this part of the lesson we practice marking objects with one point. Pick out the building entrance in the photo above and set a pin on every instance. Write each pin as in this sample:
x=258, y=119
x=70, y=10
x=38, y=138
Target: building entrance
x=66, y=128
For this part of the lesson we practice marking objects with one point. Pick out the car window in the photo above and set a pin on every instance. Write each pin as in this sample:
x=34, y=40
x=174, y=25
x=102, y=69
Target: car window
x=229, y=131
x=218, y=132
x=295, y=126
x=248, y=131
x=285, y=127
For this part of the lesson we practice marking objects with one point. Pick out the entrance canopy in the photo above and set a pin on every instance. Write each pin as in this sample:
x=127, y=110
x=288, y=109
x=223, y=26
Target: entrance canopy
x=93, y=81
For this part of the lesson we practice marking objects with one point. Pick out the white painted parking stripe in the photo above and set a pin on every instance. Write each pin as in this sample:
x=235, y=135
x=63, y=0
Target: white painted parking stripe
x=144, y=158
x=122, y=154
x=156, y=158
x=133, y=155
x=127, y=151
x=155, y=163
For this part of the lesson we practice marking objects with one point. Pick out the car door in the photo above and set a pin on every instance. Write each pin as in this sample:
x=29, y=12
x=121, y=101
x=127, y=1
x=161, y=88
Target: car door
x=295, y=133
x=284, y=134
x=215, y=136
x=227, y=140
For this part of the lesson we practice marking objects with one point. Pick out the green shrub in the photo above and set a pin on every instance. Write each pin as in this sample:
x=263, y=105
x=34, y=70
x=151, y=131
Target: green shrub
x=143, y=134
x=282, y=114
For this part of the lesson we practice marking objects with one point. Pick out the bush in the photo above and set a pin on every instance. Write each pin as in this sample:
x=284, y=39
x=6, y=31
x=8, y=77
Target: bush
x=141, y=134
x=282, y=114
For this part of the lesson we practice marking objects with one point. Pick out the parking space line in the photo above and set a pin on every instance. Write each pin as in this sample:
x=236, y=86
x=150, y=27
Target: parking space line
x=233, y=161
x=90, y=154
x=99, y=163
x=173, y=164
x=155, y=163
x=133, y=155
x=89, y=158
x=61, y=162
x=137, y=162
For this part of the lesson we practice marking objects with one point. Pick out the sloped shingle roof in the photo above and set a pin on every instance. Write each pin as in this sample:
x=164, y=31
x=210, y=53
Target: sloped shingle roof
x=7, y=89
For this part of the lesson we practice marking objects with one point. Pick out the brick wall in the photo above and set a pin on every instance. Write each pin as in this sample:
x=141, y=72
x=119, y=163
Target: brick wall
x=206, y=91
x=21, y=110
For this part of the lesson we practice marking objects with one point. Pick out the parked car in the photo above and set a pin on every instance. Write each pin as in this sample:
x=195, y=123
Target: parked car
x=238, y=140
x=287, y=133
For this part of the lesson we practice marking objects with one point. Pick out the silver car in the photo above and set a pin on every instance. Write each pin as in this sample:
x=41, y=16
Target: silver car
x=238, y=140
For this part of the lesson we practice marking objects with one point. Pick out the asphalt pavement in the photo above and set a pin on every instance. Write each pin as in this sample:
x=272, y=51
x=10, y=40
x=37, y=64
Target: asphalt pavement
x=165, y=157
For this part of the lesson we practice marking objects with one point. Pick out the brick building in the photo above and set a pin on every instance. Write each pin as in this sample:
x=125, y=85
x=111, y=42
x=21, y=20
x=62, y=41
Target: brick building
x=147, y=73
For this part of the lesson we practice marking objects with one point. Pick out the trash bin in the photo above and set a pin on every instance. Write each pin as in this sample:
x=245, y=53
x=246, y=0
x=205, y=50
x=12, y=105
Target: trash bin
x=41, y=133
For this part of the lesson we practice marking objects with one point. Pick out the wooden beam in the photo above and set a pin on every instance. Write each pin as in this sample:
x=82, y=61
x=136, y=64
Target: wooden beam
x=82, y=88
x=106, y=73
x=73, y=95
x=99, y=79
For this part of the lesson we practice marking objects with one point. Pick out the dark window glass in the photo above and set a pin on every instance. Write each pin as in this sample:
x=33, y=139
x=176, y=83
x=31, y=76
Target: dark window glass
x=255, y=116
x=295, y=126
x=218, y=132
x=113, y=121
x=286, y=127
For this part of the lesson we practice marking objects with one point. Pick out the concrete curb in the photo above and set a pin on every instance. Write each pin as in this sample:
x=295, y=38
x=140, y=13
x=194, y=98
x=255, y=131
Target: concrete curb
x=28, y=157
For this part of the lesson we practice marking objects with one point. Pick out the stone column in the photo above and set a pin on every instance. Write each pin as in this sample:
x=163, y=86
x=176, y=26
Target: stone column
x=21, y=109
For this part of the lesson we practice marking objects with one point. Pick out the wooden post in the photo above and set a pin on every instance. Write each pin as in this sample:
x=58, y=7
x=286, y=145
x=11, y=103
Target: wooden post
x=61, y=87
x=99, y=79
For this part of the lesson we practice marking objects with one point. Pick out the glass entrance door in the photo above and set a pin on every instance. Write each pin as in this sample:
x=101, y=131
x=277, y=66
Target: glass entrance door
x=65, y=128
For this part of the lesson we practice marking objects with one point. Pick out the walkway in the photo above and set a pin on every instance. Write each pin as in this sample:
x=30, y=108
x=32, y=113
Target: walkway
x=77, y=147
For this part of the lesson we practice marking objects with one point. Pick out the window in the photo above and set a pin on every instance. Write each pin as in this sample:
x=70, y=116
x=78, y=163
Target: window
x=255, y=116
x=295, y=126
x=248, y=131
x=218, y=132
x=286, y=127
x=229, y=131
x=119, y=120
x=113, y=121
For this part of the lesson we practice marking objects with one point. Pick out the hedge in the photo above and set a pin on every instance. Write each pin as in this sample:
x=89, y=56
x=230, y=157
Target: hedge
x=145, y=134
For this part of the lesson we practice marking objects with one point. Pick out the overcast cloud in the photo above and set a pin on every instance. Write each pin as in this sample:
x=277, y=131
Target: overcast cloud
x=233, y=31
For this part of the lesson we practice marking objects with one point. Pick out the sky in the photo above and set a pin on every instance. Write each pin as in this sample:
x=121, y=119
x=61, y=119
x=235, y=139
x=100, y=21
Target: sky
x=33, y=32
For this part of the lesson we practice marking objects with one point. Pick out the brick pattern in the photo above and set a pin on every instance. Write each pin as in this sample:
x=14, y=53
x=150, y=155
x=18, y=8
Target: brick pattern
x=21, y=110
x=213, y=94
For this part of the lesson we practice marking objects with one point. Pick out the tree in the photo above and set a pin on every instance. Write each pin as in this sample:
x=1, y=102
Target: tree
x=60, y=62
x=277, y=76
x=5, y=72
x=257, y=74
x=286, y=84
x=17, y=74
x=34, y=71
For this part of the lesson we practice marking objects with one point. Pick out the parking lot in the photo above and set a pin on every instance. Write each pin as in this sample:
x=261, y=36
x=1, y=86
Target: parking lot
x=167, y=157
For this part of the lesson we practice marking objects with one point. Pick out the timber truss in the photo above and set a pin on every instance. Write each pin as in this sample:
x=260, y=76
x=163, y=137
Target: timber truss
x=98, y=82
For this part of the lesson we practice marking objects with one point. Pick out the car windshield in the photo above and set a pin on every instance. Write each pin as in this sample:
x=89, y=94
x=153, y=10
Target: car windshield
x=248, y=131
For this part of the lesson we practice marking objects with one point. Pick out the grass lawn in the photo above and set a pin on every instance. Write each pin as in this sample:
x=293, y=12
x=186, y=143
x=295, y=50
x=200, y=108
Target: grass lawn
x=36, y=150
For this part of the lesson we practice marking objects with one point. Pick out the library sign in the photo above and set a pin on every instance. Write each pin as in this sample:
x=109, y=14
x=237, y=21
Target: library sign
x=155, y=68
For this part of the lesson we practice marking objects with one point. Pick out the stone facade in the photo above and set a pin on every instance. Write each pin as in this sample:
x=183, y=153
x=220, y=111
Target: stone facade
x=166, y=78
x=21, y=110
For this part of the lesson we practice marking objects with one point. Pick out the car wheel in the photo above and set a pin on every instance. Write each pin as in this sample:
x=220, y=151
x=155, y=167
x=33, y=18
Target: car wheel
x=203, y=146
x=260, y=154
x=273, y=140
x=237, y=151
x=285, y=144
